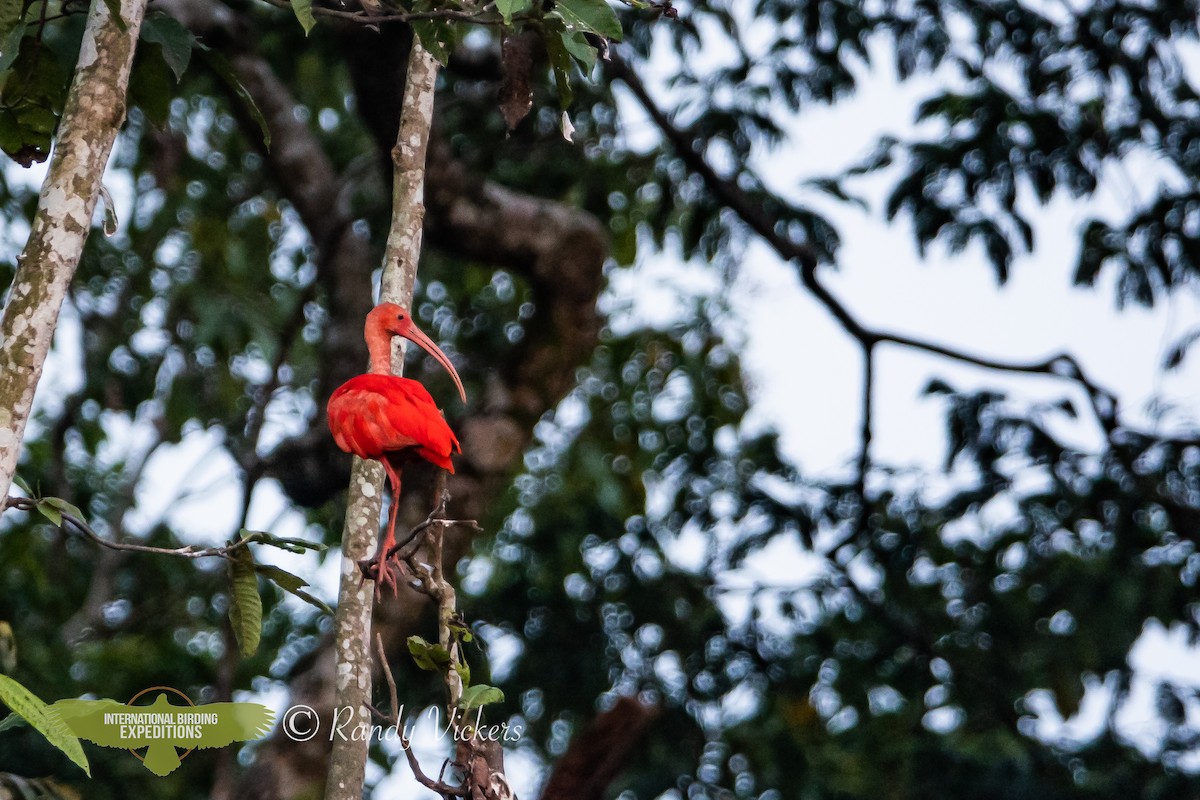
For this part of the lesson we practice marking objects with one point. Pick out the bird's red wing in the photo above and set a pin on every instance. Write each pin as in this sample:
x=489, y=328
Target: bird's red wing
x=371, y=415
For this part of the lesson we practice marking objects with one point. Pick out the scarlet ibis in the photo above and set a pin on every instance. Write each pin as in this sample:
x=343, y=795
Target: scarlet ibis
x=386, y=418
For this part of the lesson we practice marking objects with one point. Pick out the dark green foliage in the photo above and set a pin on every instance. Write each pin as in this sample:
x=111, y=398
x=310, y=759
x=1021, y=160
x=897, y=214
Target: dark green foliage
x=32, y=95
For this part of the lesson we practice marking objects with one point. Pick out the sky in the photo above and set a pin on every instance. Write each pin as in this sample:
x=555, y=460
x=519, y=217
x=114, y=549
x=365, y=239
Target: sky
x=805, y=371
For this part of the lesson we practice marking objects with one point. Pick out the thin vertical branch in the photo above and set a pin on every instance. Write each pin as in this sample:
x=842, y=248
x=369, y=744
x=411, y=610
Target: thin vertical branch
x=442, y=591
x=864, y=452
x=94, y=112
x=858, y=526
x=352, y=636
x=480, y=759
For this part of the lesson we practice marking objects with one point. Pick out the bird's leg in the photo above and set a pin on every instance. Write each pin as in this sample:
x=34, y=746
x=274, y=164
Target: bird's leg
x=379, y=568
x=405, y=549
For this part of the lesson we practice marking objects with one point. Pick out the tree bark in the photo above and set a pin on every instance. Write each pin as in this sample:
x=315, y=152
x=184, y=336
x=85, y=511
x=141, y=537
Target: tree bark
x=94, y=112
x=352, y=635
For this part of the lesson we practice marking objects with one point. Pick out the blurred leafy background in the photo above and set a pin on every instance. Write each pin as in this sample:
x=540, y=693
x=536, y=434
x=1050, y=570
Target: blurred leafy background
x=931, y=622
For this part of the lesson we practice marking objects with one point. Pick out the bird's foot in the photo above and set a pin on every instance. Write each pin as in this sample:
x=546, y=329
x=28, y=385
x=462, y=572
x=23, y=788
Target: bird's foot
x=382, y=572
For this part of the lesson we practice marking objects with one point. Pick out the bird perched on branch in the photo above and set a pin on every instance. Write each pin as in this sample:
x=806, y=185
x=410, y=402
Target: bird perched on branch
x=386, y=418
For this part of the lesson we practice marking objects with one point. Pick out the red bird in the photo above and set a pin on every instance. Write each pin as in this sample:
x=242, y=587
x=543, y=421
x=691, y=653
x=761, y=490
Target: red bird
x=386, y=418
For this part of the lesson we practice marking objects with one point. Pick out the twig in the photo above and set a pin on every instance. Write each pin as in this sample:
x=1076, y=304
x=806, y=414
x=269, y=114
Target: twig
x=387, y=674
x=438, y=785
x=404, y=549
x=480, y=760
x=366, y=18
x=109, y=559
x=187, y=551
x=447, y=600
x=393, y=718
x=434, y=584
x=864, y=451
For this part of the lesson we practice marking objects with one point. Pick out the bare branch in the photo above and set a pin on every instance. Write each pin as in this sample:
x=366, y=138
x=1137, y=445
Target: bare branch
x=391, y=680
x=864, y=448
x=187, y=551
x=393, y=718
x=1063, y=365
x=479, y=16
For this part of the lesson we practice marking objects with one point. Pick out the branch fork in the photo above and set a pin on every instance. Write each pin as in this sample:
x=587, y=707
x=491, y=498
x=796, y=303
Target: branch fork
x=478, y=760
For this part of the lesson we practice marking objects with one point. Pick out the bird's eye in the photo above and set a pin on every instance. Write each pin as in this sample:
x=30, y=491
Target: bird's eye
x=400, y=317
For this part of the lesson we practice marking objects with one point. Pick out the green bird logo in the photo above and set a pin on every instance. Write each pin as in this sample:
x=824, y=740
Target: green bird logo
x=162, y=727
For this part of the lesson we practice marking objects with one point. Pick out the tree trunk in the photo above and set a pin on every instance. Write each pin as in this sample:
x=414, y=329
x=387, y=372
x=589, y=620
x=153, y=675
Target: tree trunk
x=352, y=635
x=95, y=110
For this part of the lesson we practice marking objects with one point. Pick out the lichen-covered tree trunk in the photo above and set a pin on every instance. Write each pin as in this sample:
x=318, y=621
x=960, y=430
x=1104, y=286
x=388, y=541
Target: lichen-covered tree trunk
x=94, y=111
x=352, y=633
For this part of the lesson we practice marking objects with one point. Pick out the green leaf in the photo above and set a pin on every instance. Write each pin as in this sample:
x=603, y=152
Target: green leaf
x=509, y=7
x=479, y=695
x=176, y=41
x=427, y=655
x=834, y=188
x=20, y=482
x=26, y=704
x=12, y=12
x=283, y=543
x=303, y=11
x=461, y=631
x=589, y=16
x=581, y=51
x=61, y=506
x=292, y=584
x=10, y=44
x=438, y=36
x=50, y=512
x=245, y=606
x=151, y=90
x=220, y=65
x=35, y=90
x=560, y=62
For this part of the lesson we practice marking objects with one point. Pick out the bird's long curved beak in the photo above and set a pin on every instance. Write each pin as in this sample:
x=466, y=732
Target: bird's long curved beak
x=417, y=336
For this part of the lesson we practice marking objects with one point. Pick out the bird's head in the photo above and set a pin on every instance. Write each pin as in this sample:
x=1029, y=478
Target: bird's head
x=388, y=319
